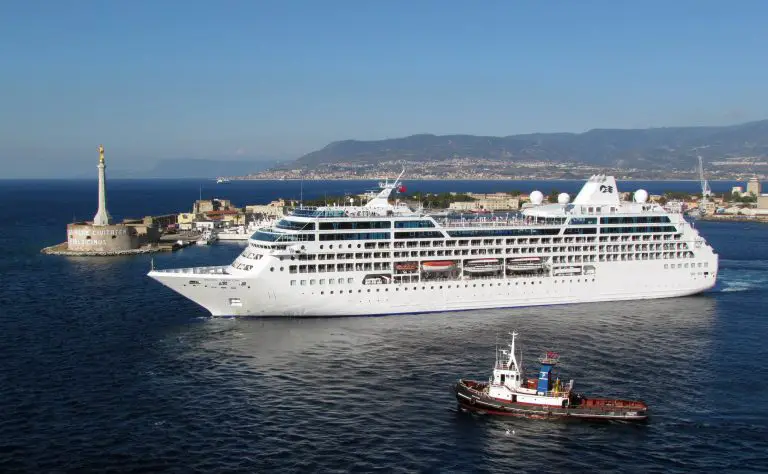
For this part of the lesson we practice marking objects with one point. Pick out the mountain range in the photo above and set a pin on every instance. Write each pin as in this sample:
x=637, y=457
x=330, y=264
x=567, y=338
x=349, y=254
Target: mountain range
x=653, y=148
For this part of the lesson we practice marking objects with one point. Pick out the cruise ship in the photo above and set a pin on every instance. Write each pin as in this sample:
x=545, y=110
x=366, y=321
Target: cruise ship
x=387, y=258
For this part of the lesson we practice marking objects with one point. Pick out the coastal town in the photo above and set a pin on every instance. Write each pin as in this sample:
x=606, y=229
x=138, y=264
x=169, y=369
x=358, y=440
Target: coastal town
x=215, y=219
x=469, y=168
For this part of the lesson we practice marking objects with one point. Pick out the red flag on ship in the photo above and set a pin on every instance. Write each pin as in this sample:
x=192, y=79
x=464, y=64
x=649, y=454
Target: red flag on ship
x=401, y=189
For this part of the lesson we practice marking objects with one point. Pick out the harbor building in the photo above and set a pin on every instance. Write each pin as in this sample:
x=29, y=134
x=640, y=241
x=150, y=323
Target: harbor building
x=202, y=206
x=273, y=209
x=753, y=186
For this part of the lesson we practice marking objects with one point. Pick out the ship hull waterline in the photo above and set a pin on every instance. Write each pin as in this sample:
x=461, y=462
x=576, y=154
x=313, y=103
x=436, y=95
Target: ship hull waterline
x=259, y=297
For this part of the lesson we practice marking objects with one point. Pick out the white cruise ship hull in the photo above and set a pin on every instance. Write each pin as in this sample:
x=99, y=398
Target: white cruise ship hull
x=612, y=281
x=350, y=260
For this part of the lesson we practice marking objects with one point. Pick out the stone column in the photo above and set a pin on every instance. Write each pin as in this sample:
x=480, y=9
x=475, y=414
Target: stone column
x=102, y=216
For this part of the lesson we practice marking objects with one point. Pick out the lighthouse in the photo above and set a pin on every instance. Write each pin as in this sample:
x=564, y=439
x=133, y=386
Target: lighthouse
x=102, y=216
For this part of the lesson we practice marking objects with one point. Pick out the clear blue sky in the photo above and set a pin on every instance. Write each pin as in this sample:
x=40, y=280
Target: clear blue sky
x=255, y=79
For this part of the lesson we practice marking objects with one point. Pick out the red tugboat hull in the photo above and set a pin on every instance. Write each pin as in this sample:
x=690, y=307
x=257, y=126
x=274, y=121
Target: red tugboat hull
x=471, y=395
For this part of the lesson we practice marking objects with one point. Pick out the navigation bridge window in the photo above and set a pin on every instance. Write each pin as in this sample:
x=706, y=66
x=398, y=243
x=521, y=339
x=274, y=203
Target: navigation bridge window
x=583, y=220
x=309, y=212
x=279, y=237
x=293, y=225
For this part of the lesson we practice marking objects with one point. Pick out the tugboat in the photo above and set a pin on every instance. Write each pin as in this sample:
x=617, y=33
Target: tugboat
x=508, y=393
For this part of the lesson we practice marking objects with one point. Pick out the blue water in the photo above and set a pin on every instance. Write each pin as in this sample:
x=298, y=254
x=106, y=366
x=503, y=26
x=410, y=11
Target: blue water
x=104, y=370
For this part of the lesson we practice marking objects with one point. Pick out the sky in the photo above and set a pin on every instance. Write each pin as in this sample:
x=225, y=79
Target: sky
x=257, y=80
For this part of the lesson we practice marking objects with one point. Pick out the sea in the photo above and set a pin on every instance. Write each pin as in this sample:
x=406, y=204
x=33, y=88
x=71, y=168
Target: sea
x=104, y=370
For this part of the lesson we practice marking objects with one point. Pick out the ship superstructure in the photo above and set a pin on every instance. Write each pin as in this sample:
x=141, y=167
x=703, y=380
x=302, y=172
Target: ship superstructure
x=385, y=258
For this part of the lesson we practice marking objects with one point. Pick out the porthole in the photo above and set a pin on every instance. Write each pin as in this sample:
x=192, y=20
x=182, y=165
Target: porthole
x=271, y=269
x=281, y=269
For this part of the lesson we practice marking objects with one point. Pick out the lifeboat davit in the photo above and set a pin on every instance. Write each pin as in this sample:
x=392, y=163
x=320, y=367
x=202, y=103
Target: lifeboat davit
x=438, y=266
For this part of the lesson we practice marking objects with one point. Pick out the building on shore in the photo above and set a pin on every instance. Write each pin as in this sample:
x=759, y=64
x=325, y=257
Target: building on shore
x=273, y=209
x=753, y=186
x=207, y=205
x=102, y=236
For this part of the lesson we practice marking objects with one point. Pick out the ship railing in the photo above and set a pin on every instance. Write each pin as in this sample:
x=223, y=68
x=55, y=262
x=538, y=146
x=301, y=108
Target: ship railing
x=217, y=270
x=494, y=222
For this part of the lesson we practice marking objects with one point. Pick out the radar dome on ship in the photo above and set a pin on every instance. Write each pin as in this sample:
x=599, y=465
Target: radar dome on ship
x=563, y=198
x=537, y=197
x=641, y=196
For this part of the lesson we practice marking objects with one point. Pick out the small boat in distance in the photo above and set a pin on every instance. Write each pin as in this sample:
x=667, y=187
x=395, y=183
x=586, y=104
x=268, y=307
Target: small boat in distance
x=223, y=180
x=508, y=392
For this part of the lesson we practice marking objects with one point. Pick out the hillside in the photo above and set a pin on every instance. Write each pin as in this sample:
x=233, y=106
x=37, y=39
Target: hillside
x=654, y=148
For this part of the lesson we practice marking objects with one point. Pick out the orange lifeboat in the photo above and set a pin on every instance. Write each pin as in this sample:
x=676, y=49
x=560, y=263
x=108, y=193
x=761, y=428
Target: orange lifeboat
x=438, y=266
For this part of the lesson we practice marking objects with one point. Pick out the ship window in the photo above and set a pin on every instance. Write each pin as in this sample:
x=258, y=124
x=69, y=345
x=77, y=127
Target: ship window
x=293, y=282
x=303, y=282
x=271, y=269
x=350, y=280
x=341, y=280
x=322, y=281
x=312, y=282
